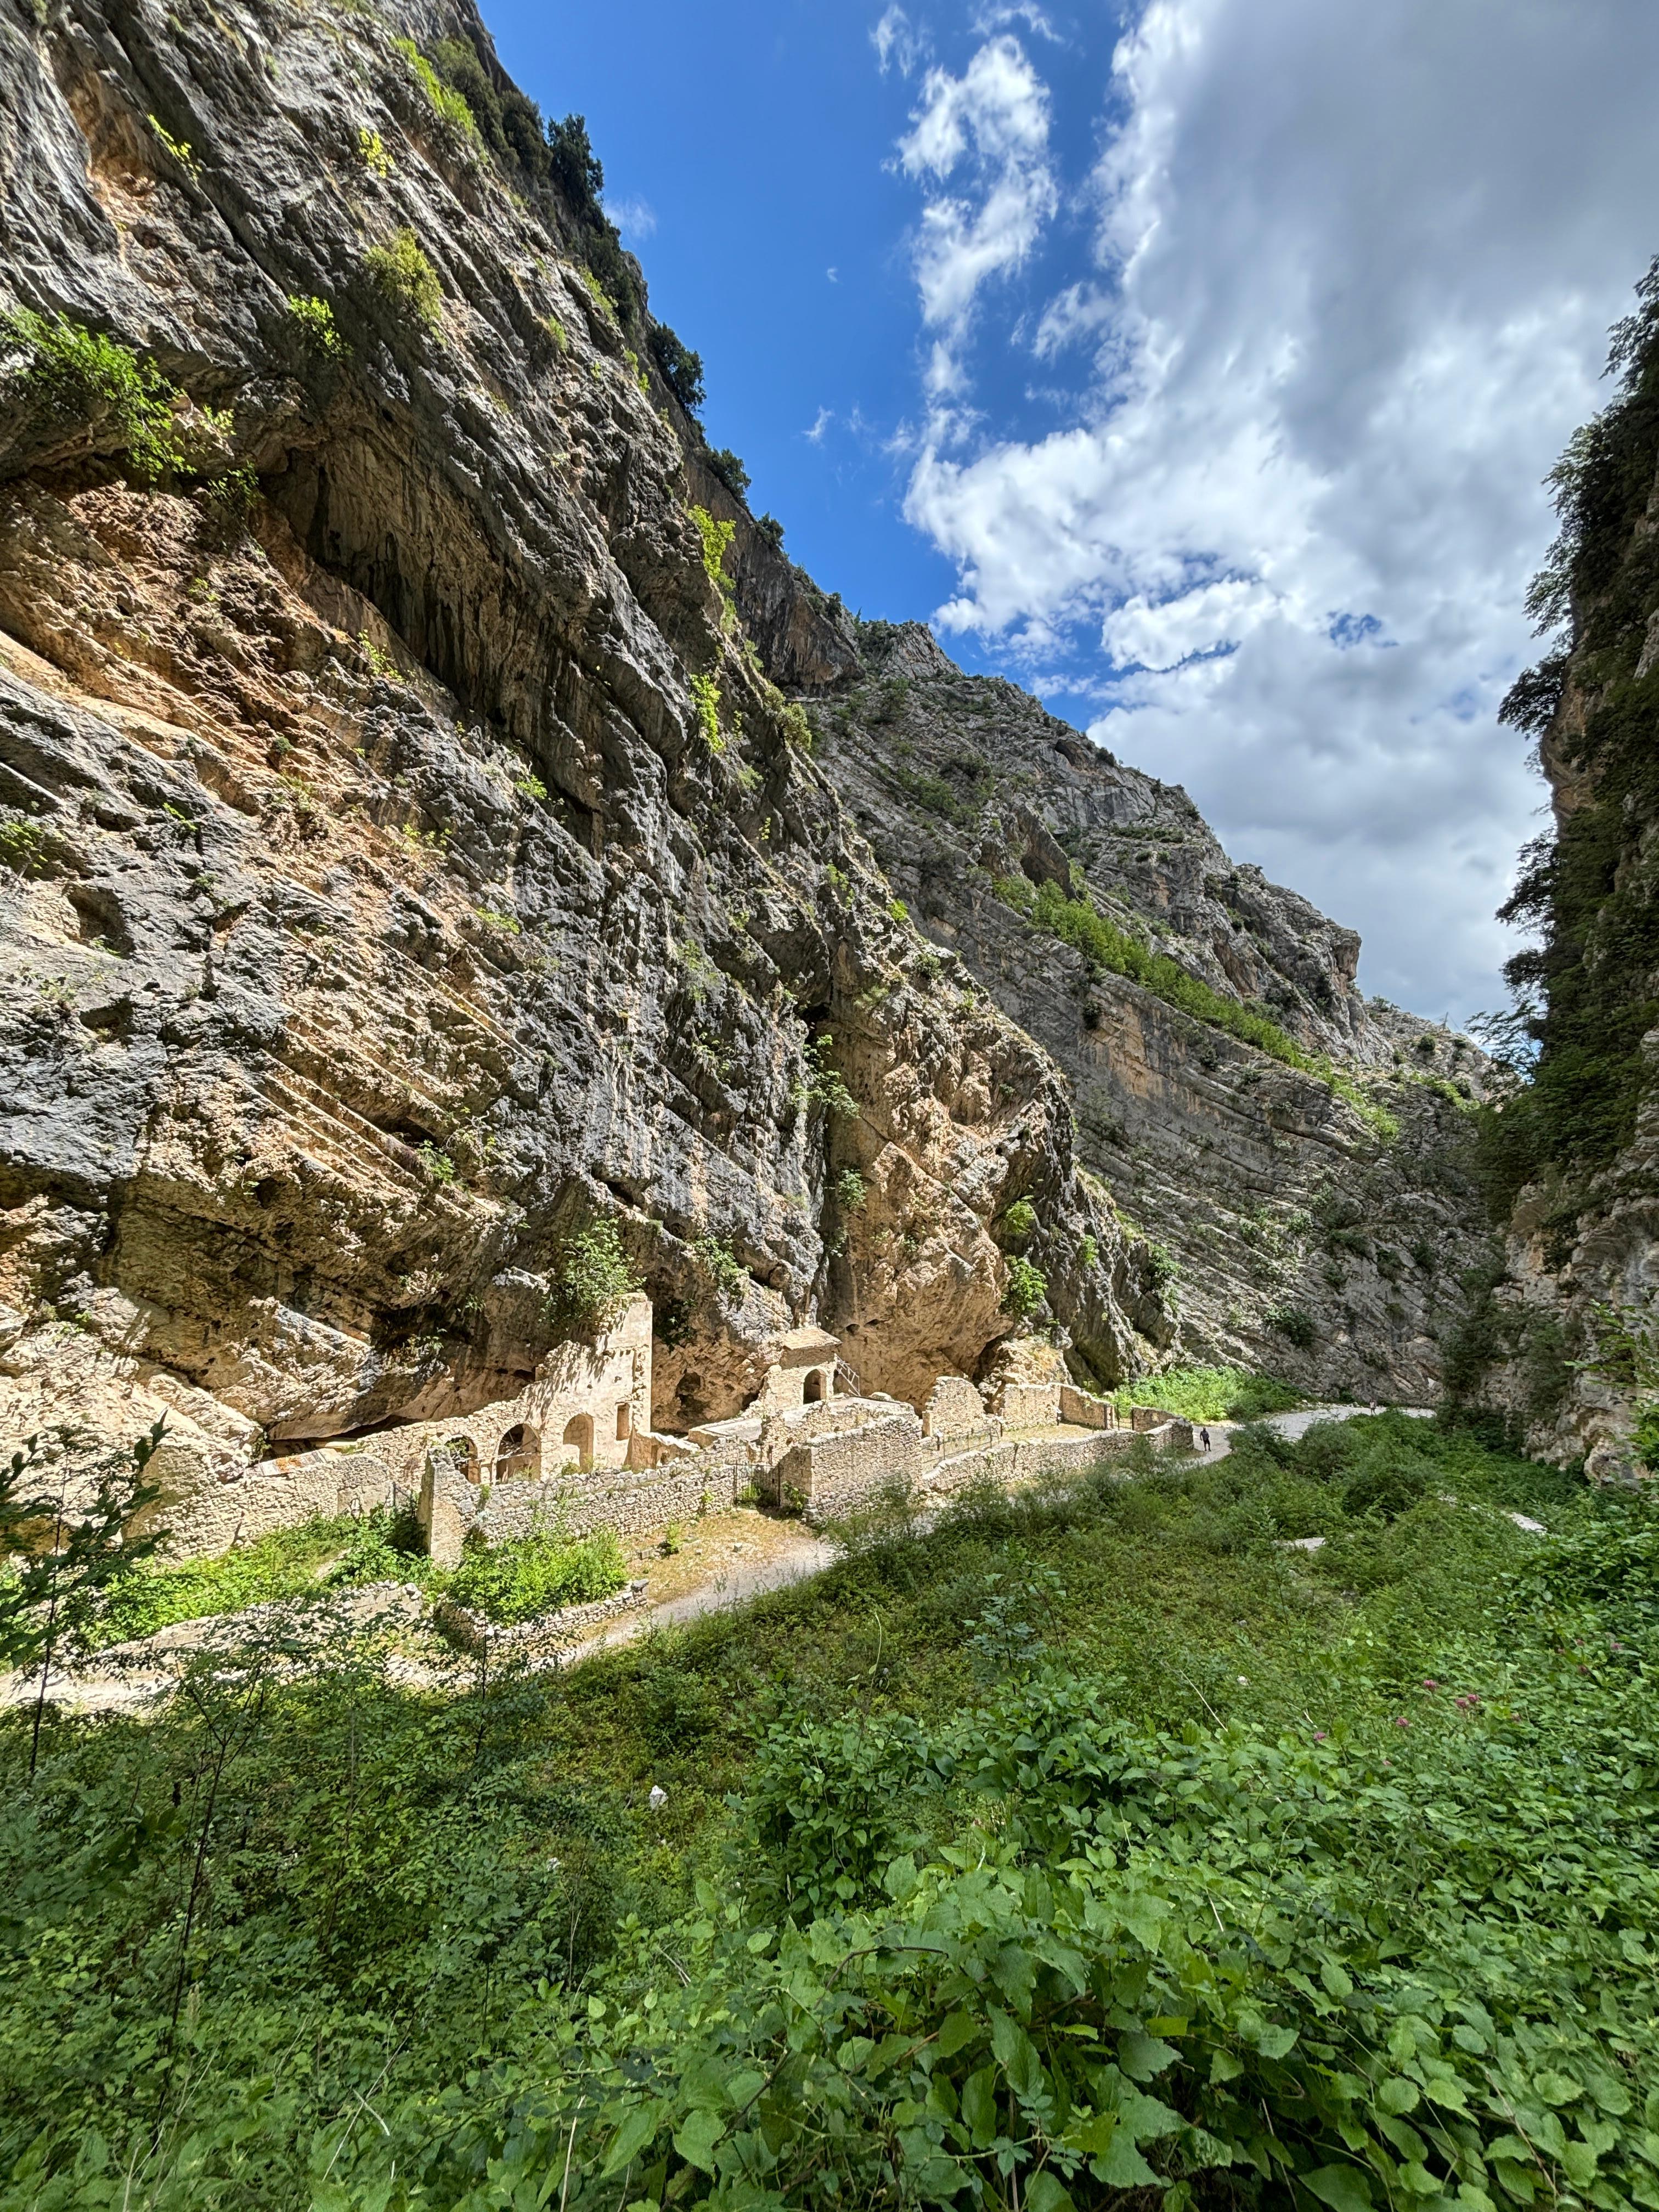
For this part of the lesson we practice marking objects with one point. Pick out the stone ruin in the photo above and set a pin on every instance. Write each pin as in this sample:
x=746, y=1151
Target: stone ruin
x=576, y=1448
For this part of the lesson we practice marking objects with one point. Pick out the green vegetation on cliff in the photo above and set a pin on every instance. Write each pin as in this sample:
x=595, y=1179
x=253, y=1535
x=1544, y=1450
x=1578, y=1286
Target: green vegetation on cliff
x=1585, y=991
x=1079, y=923
x=1085, y=1843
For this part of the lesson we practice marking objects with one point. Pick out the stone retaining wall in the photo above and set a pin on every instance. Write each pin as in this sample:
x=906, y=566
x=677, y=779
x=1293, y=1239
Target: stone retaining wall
x=553, y=1632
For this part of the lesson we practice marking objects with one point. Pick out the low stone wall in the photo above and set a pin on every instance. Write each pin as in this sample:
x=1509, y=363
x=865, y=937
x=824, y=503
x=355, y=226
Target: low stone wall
x=554, y=1632
x=281, y=1493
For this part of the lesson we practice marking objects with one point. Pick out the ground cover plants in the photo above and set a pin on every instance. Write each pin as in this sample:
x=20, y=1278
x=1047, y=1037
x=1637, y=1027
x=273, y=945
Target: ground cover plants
x=514, y=1582
x=1090, y=1847
x=1209, y=1394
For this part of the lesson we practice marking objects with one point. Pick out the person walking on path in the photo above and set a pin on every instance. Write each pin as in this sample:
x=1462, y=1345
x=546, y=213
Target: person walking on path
x=1204, y=1440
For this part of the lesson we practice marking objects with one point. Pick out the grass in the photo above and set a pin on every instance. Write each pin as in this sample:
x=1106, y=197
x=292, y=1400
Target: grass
x=512, y=1582
x=1058, y=1850
x=1209, y=1394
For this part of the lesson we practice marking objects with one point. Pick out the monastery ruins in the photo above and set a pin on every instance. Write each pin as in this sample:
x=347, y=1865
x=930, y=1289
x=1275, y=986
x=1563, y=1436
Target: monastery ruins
x=576, y=1448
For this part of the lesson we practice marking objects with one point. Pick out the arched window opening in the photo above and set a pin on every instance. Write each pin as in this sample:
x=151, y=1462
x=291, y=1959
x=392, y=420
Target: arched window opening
x=519, y=1454
x=579, y=1438
x=465, y=1453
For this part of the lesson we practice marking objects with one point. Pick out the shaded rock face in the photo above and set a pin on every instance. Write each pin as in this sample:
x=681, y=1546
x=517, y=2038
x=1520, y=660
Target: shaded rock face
x=1562, y=1337
x=1301, y=1239
x=378, y=904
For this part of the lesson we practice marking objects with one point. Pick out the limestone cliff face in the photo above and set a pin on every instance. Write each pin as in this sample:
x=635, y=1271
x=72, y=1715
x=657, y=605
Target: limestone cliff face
x=413, y=843
x=1564, y=1337
x=408, y=852
x=1307, y=1234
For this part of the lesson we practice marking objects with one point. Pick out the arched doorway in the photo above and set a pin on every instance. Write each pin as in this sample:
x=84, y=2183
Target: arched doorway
x=579, y=1438
x=812, y=1391
x=519, y=1454
x=465, y=1453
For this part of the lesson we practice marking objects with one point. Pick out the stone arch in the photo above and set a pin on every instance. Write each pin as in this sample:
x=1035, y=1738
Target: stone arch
x=579, y=1438
x=815, y=1390
x=465, y=1453
x=519, y=1454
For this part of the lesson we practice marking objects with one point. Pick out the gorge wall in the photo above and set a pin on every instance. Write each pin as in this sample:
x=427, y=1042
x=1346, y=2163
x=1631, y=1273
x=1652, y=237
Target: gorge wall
x=436, y=815
x=1564, y=1337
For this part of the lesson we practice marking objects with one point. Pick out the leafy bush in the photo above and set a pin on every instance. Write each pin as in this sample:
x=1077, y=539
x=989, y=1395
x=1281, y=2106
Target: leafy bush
x=82, y=375
x=539, y=1574
x=1296, y=1323
x=1209, y=1394
x=597, y=1277
x=716, y=538
x=720, y=1263
x=851, y=1190
x=730, y=470
x=449, y=104
x=1020, y=1221
x=1025, y=1288
x=406, y=280
x=682, y=369
x=824, y=1085
x=706, y=698
x=318, y=332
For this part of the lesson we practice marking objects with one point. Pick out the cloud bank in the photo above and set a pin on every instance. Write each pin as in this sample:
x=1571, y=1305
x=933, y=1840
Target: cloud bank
x=1350, y=277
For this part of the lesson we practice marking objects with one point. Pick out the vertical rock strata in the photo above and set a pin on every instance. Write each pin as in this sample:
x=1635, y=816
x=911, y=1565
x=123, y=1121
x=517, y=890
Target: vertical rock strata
x=411, y=842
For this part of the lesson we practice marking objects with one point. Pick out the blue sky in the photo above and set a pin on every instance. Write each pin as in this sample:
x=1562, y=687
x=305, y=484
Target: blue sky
x=1195, y=363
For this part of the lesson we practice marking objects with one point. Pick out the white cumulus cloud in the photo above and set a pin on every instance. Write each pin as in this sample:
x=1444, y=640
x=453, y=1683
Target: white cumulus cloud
x=1348, y=300
x=988, y=128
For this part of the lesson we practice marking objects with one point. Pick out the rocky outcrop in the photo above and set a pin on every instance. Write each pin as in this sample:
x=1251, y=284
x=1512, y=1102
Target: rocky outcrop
x=1563, y=1335
x=1313, y=1214
x=409, y=852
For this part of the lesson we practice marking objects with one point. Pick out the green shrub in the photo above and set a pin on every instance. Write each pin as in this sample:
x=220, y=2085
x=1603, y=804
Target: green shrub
x=730, y=470
x=1209, y=1394
x=706, y=697
x=1295, y=1323
x=823, y=1085
x=1025, y=1288
x=318, y=332
x=1020, y=1221
x=82, y=375
x=716, y=538
x=407, y=281
x=851, y=1190
x=682, y=369
x=538, y=1574
x=449, y=104
x=596, y=1278
x=720, y=1263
